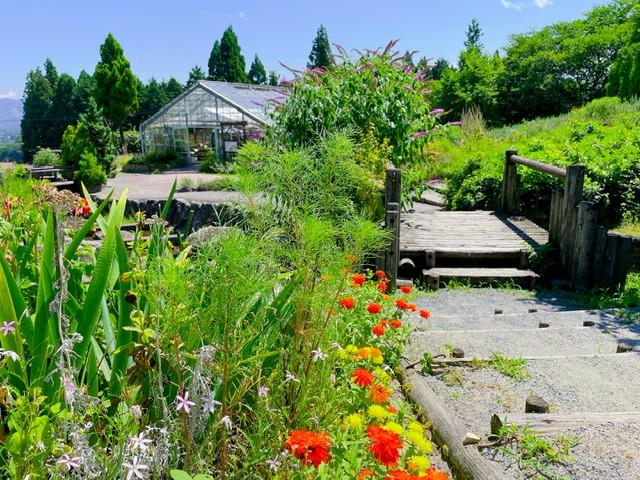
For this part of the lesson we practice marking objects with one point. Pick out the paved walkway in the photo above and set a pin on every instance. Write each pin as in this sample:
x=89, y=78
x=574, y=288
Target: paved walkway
x=156, y=186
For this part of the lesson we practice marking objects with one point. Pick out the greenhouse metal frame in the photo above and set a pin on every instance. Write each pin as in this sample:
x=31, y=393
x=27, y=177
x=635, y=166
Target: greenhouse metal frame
x=211, y=116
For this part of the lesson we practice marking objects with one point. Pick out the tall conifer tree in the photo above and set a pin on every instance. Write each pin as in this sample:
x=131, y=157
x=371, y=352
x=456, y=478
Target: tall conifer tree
x=226, y=62
x=257, y=73
x=320, y=56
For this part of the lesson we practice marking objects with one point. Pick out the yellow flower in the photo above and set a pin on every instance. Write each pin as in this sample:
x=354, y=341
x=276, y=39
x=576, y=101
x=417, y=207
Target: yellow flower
x=354, y=420
x=378, y=412
x=349, y=353
x=394, y=427
x=382, y=375
x=417, y=438
x=419, y=464
x=416, y=427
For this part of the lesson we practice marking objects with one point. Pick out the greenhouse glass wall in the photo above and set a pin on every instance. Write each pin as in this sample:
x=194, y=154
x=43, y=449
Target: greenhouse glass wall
x=211, y=117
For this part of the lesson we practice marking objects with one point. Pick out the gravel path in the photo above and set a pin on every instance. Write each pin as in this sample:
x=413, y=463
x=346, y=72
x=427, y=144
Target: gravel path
x=604, y=382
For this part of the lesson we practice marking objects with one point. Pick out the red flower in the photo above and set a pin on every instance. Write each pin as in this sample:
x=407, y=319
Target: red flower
x=363, y=378
x=405, y=289
x=379, y=393
x=412, y=307
x=384, y=322
x=385, y=445
x=374, y=307
x=396, y=323
x=425, y=313
x=358, y=279
x=348, y=303
x=380, y=274
x=82, y=208
x=311, y=447
x=402, y=304
x=382, y=286
x=378, y=330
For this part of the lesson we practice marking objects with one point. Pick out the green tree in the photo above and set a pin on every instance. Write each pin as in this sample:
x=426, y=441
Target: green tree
x=274, y=79
x=63, y=112
x=320, y=56
x=117, y=87
x=624, y=79
x=226, y=62
x=195, y=74
x=257, y=73
x=36, y=124
x=152, y=98
x=172, y=88
x=433, y=70
x=473, y=36
x=83, y=92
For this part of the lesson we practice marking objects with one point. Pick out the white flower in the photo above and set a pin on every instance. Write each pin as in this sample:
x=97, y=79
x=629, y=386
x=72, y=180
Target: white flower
x=226, y=421
x=68, y=462
x=211, y=403
x=318, y=355
x=273, y=464
x=134, y=468
x=184, y=402
x=140, y=442
x=136, y=411
x=336, y=345
x=290, y=376
x=9, y=353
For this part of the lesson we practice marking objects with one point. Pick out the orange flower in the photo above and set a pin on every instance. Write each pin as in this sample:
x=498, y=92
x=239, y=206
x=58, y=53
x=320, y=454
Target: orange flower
x=402, y=304
x=412, y=306
x=384, y=322
x=379, y=393
x=311, y=447
x=348, y=303
x=385, y=445
x=378, y=330
x=382, y=286
x=82, y=208
x=363, y=378
x=367, y=352
x=380, y=274
x=405, y=289
x=350, y=257
x=374, y=307
x=366, y=473
x=385, y=296
x=358, y=279
x=392, y=409
x=434, y=474
x=404, y=475
x=396, y=323
x=425, y=313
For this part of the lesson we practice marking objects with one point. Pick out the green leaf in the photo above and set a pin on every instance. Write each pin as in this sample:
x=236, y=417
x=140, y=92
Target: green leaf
x=19, y=305
x=82, y=233
x=180, y=475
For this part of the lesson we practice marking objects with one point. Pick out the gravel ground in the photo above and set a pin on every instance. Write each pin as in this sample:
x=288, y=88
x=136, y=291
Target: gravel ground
x=580, y=384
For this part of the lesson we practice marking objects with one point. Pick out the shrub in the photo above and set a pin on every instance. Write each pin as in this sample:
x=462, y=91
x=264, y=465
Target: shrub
x=214, y=163
x=45, y=156
x=160, y=158
x=89, y=172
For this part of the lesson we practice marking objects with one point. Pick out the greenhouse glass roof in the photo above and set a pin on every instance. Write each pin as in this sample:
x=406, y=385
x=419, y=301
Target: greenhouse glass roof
x=207, y=103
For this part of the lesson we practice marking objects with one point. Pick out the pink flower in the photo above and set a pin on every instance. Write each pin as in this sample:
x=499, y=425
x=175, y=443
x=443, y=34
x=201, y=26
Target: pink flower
x=7, y=328
x=419, y=134
x=436, y=111
x=184, y=403
x=263, y=391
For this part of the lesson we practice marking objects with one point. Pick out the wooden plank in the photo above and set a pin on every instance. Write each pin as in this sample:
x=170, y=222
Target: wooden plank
x=471, y=360
x=544, y=423
x=466, y=461
x=584, y=237
x=448, y=272
x=599, y=245
x=558, y=172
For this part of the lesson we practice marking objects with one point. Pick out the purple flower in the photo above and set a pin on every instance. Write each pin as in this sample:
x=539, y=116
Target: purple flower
x=408, y=87
x=457, y=123
x=263, y=391
x=368, y=64
x=273, y=464
x=256, y=164
x=7, y=328
x=408, y=69
x=257, y=103
x=436, y=111
x=285, y=81
x=140, y=442
x=271, y=187
x=426, y=92
x=419, y=134
x=184, y=402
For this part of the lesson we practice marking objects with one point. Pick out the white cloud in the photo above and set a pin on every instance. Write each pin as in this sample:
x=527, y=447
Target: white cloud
x=242, y=14
x=543, y=3
x=508, y=4
x=10, y=94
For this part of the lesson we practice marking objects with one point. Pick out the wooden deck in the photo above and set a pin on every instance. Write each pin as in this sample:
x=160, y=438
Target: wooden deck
x=479, y=246
x=468, y=233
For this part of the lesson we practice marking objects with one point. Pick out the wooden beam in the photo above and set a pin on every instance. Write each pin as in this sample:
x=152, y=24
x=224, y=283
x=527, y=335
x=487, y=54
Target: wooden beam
x=540, y=166
x=544, y=423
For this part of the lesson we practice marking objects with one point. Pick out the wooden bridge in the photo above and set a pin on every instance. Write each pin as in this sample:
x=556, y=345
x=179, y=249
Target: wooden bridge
x=484, y=246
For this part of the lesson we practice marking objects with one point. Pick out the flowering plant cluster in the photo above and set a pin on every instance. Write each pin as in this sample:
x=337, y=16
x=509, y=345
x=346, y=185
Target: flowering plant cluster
x=376, y=434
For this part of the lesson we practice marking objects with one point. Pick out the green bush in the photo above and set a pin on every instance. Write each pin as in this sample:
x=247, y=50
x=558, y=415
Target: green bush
x=214, y=163
x=89, y=171
x=160, y=158
x=45, y=156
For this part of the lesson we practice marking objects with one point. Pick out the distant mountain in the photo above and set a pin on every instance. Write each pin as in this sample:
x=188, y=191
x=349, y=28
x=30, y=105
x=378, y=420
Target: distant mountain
x=10, y=116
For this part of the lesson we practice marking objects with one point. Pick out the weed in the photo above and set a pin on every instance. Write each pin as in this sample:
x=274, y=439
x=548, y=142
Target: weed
x=454, y=377
x=514, y=368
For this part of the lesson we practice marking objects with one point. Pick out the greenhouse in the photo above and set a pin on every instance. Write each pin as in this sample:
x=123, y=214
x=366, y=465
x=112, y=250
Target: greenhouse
x=211, y=116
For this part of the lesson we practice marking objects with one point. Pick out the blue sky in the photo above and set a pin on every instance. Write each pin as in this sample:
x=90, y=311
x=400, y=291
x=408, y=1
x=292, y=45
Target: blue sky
x=167, y=38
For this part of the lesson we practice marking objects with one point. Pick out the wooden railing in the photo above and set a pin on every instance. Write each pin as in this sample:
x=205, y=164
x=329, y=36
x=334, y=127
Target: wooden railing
x=590, y=254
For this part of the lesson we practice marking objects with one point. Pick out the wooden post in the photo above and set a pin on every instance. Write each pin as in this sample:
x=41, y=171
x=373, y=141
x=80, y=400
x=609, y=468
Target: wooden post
x=393, y=186
x=555, y=216
x=610, y=259
x=392, y=222
x=510, y=185
x=597, y=266
x=572, y=197
x=583, y=245
x=622, y=261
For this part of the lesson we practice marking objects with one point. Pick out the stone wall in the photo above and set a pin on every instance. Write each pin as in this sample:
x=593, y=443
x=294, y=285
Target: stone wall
x=204, y=214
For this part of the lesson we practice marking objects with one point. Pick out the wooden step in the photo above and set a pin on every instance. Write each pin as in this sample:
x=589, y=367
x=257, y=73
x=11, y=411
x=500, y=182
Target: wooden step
x=524, y=278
